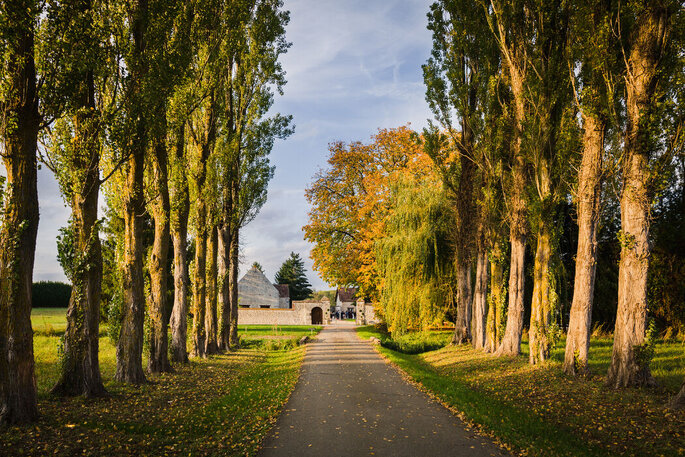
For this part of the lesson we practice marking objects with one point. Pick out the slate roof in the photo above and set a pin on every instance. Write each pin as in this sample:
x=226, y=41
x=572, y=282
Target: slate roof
x=283, y=290
x=346, y=294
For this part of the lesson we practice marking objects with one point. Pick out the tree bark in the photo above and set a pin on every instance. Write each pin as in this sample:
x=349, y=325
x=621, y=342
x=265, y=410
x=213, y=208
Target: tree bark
x=588, y=201
x=480, y=304
x=18, y=231
x=211, y=346
x=650, y=38
x=511, y=343
x=496, y=300
x=234, y=342
x=179, y=234
x=465, y=237
x=540, y=339
x=159, y=311
x=130, y=346
x=80, y=374
x=224, y=261
x=199, y=285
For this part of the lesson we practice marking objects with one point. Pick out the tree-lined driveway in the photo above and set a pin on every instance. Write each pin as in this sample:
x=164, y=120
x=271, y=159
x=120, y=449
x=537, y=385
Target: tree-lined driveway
x=348, y=401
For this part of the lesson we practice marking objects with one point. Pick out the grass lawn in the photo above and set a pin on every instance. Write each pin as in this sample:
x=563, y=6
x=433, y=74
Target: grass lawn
x=223, y=405
x=540, y=411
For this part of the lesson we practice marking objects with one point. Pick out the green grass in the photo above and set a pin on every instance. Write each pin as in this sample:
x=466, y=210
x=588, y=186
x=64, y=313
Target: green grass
x=248, y=331
x=49, y=320
x=223, y=405
x=541, y=411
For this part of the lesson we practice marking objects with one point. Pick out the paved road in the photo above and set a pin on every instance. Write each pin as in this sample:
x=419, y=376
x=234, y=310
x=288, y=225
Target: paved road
x=349, y=402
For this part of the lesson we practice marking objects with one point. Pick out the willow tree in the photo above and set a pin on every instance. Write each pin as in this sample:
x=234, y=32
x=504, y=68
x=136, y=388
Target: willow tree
x=463, y=59
x=79, y=84
x=651, y=60
x=415, y=255
x=251, y=49
x=19, y=125
x=597, y=54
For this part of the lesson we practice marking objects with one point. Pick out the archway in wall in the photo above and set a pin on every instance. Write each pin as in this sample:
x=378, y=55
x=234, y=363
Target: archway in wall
x=317, y=316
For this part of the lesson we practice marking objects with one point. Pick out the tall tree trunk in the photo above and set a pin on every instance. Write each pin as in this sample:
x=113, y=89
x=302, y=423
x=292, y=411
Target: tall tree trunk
x=179, y=234
x=233, y=290
x=130, y=346
x=19, y=229
x=465, y=238
x=159, y=311
x=480, y=304
x=462, y=327
x=588, y=201
x=211, y=346
x=518, y=208
x=496, y=301
x=199, y=285
x=540, y=339
x=224, y=261
x=651, y=36
x=80, y=366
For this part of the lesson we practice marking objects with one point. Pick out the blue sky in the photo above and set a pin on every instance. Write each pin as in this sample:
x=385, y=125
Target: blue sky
x=354, y=67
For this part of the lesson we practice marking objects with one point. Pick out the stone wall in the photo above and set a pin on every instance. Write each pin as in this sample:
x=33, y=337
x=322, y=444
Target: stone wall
x=299, y=314
x=365, y=314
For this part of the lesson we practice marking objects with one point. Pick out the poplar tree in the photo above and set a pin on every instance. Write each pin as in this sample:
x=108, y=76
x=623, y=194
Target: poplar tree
x=251, y=72
x=20, y=122
x=595, y=86
x=508, y=23
x=650, y=31
x=464, y=57
x=78, y=92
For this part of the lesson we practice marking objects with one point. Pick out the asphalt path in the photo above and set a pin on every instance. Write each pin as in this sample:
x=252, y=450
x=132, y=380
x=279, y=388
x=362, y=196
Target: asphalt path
x=349, y=402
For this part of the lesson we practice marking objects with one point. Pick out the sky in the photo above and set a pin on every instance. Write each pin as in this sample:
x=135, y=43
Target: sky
x=354, y=67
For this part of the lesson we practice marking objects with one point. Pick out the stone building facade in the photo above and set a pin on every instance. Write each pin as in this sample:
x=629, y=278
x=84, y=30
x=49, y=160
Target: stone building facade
x=256, y=291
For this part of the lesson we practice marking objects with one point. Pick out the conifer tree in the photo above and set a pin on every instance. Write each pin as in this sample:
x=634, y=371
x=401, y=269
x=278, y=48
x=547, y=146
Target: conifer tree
x=293, y=273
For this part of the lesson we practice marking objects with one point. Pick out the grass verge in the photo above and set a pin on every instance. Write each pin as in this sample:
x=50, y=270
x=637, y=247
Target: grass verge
x=223, y=405
x=539, y=411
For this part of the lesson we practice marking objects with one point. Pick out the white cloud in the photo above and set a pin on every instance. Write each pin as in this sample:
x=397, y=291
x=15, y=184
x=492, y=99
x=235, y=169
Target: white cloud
x=354, y=67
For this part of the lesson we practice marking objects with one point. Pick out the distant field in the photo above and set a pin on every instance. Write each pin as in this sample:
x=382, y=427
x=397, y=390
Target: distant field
x=44, y=318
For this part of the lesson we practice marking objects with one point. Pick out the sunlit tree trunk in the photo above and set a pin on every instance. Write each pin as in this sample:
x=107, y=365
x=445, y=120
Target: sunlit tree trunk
x=159, y=314
x=130, y=345
x=19, y=228
x=496, y=301
x=224, y=261
x=199, y=283
x=541, y=308
x=588, y=204
x=649, y=40
x=233, y=290
x=211, y=346
x=480, y=304
x=511, y=342
x=80, y=374
x=179, y=235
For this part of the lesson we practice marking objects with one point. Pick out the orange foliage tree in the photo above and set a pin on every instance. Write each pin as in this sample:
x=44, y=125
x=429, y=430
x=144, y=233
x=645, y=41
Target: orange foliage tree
x=350, y=203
